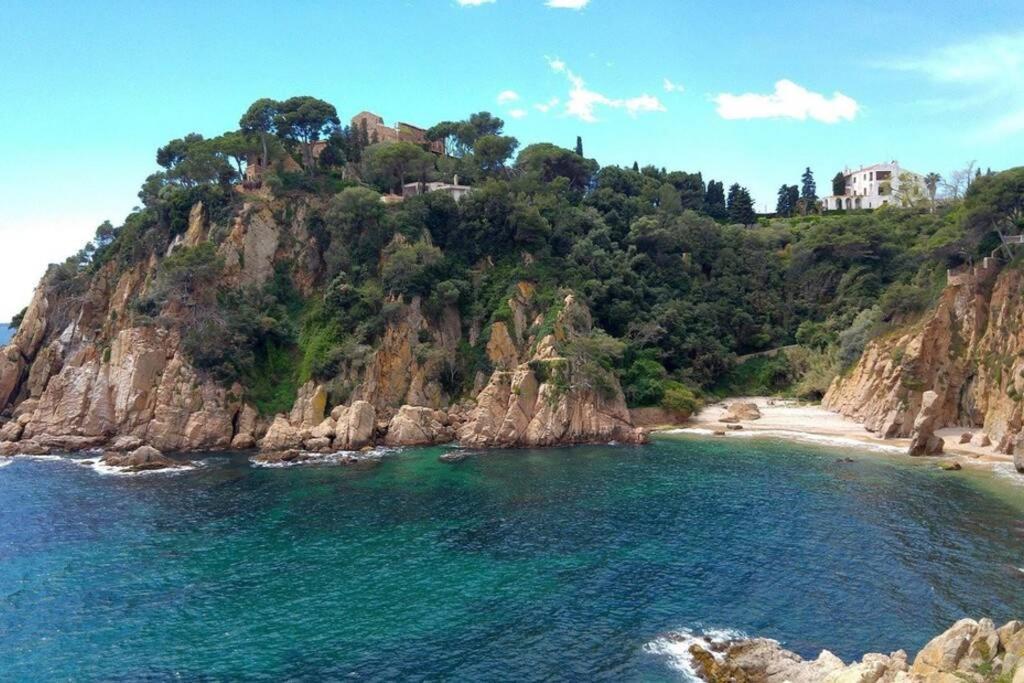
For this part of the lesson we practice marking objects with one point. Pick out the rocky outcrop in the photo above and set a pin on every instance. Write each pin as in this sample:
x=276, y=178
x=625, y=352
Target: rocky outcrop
x=968, y=352
x=141, y=459
x=968, y=651
x=923, y=440
x=418, y=426
x=550, y=399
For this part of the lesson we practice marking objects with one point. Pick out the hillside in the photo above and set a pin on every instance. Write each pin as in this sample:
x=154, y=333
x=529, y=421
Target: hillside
x=298, y=303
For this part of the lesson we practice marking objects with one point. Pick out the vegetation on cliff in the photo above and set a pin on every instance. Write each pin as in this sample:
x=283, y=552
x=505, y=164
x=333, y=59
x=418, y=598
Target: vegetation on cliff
x=681, y=279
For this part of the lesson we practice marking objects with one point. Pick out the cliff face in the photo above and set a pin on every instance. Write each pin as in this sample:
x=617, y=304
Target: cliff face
x=536, y=397
x=969, y=351
x=85, y=368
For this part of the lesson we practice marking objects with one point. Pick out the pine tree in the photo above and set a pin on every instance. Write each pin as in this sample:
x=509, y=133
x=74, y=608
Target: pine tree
x=794, y=196
x=809, y=190
x=782, y=206
x=714, y=200
x=579, y=145
x=636, y=167
x=741, y=206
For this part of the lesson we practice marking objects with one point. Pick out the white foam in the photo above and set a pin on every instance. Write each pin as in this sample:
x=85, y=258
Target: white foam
x=336, y=458
x=1006, y=470
x=675, y=647
x=4, y=462
x=822, y=439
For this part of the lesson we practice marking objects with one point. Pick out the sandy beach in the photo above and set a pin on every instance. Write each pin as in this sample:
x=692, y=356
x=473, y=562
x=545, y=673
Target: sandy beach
x=810, y=422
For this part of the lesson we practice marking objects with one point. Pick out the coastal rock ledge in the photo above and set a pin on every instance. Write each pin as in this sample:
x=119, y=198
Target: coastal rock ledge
x=969, y=651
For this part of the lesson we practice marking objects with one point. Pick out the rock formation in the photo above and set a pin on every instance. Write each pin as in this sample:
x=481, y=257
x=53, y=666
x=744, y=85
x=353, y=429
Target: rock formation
x=968, y=651
x=93, y=370
x=966, y=355
x=548, y=399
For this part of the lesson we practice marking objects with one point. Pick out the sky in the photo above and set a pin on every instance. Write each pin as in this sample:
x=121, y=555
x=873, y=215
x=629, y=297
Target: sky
x=748, y=92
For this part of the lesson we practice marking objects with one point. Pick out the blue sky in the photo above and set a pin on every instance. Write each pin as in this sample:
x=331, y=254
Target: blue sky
x=750, y=92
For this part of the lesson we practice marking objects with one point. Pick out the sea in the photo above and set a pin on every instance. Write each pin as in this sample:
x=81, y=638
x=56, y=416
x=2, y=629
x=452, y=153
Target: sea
x=590, y=563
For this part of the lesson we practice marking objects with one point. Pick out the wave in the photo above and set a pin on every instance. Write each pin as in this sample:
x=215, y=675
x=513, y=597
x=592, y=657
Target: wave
x=96, y=465
x=336, y=458
x=820, y=439
x=674, y=647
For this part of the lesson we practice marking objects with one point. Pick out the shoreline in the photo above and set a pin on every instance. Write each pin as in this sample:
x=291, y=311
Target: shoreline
x=809, y=422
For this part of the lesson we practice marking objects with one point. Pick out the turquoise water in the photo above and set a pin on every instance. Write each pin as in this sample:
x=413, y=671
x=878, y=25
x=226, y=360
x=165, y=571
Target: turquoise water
x=561, y=564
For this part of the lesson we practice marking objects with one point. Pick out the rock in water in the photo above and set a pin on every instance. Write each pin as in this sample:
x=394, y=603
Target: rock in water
x=1018, y=453
x=453, y=457
x=140, y=460
x=923, y=440
x=418, y=426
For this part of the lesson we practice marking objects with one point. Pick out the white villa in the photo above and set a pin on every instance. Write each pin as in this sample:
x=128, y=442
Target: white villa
x=870, y=187
x=454, y=189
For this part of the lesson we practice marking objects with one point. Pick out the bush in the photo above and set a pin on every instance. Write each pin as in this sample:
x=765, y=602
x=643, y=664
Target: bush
x=853, y=339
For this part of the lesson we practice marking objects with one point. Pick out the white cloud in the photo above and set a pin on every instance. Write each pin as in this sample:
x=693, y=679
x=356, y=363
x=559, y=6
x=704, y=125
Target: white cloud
x=986, y=72
x=545, y=107
x=567, y=4
x=507, y=96
x=473, y=3
x=517, y=113
x=582, y=102
x=643, y=103
x=672, y=87
x=790, y=101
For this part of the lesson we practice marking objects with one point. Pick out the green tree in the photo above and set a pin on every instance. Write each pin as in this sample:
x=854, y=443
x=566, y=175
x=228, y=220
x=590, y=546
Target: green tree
x=492, y=151
x=787, y=200
x=839, y=184
x=236, y=146
x=391, y=163
x=305, y=120
x=259, y=121
x=741, y=206
x=545, y=162
x=808, y=188
x=714, y=200
x=579, y=145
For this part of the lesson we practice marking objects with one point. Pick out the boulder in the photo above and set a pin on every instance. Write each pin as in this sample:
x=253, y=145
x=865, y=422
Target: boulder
x=417, y=426
x=310, y=404
x=280, y=457
x=317, y=443
x=739, y=411
x=125, y=443
x=353, y=426
x=1018, y=453
x=453, y=457
x=944, y=652
x=950, y=465
x=243, y=441
x=966, y=437
x=141, y=459
x=11, y=431
x=981, y=439
x=281, y=436
x=923, y=440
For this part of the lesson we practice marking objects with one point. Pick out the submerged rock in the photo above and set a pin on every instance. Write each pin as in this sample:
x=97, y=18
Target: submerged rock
x=453, y=457
x=141, y=459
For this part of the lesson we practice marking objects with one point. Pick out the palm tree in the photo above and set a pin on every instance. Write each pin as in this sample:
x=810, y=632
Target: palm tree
x=931, y=181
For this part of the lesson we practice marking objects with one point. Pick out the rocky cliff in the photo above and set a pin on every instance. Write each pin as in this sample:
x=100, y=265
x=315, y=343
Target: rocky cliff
x=89, y=363
x=968, y=651
x=961, y=365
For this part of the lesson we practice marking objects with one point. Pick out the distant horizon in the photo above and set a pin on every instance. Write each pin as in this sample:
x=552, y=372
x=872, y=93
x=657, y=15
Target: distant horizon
x=648, y=83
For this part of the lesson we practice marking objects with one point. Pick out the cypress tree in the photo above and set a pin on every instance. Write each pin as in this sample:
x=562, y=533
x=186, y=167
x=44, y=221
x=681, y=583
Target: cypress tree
x=839, y=184
x=579, y=145
x=714, y=200
x=782, y=206
x=809, y=191
x=636, y=167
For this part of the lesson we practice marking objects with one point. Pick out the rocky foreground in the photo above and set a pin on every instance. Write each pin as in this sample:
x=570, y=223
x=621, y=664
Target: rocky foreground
x=969, y=651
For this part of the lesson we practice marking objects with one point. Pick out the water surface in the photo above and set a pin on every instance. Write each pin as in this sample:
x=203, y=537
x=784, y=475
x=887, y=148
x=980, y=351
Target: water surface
x=559, y=564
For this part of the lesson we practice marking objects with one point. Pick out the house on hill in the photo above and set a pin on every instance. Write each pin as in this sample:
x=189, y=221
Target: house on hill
x=378, y=131
x=870, y=187
x=453, y=189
